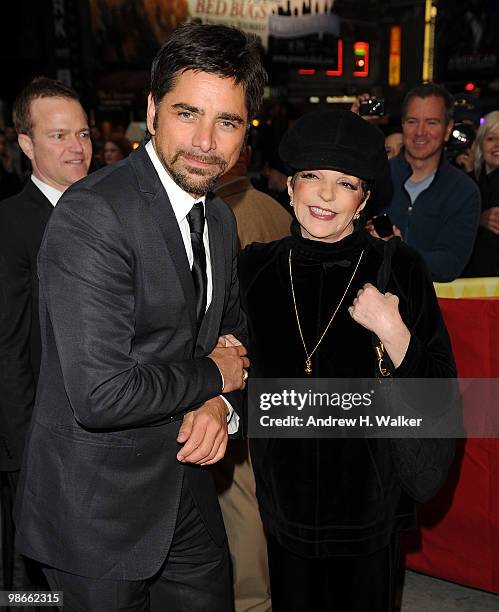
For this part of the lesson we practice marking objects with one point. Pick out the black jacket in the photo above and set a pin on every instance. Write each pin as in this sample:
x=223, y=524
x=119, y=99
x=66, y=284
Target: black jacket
x=323, y=497
x=100, y=486
x=485, y=257
x=22, y=223
x=442, y=223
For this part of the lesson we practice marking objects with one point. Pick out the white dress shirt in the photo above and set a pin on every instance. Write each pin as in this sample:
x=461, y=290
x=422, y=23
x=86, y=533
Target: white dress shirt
x=53, y=195
x=182, y=203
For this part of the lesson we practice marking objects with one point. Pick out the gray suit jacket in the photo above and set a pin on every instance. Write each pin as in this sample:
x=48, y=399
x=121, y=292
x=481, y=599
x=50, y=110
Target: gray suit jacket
x=100, y=487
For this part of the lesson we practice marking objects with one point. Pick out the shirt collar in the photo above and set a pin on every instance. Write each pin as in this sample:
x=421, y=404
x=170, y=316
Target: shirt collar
x=180, y=200
x=402, y=160
x=51, y=193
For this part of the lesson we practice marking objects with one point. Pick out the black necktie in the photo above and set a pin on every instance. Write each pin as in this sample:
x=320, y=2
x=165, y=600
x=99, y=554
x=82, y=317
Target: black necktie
x=196, y=224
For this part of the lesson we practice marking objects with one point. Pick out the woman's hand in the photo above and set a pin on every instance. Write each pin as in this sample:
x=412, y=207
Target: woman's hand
x=490, y=219
x=379, y=313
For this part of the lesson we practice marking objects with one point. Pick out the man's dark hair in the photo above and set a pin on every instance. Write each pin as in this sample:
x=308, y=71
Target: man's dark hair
x=425, y=91
x=39, y=87
x=220, y=50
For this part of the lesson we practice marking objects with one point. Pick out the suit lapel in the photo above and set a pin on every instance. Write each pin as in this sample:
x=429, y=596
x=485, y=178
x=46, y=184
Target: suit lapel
x=162, y=212
x=40, y=202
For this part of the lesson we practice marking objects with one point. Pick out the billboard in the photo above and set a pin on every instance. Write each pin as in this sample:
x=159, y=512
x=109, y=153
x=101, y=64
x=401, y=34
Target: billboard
x=129, y=32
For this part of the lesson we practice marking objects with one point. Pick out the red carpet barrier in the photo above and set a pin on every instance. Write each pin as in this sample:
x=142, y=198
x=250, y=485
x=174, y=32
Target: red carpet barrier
x=459, y=538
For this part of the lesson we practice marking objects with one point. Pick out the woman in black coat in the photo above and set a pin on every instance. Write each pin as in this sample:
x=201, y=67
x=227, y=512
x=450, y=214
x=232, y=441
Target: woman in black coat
x=333, y=508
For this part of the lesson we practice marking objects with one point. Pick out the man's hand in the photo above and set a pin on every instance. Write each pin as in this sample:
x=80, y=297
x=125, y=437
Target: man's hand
x=373, y=232
x=229, y=340
x=356, y=106
x=231, y=358
x=204, y=433
x=490, y=219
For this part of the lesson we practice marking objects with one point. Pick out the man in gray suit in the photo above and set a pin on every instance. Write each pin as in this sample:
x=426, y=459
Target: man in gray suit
x=137, y=384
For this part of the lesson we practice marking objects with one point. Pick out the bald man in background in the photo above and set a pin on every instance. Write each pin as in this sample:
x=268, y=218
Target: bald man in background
x=54, y=135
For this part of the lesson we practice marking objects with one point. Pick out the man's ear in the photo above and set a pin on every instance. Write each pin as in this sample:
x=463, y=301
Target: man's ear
x=151, y=114
x=26, y=145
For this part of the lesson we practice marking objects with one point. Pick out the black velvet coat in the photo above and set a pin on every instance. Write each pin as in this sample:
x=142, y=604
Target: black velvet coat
x=323, y=497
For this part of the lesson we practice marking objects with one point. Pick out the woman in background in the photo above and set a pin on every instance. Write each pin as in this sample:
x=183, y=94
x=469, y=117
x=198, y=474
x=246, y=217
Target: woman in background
x=116, y=148
x=485, y=257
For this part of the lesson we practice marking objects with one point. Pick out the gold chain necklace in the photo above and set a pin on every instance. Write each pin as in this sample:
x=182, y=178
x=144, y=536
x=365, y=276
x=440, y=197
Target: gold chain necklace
x=308, y=361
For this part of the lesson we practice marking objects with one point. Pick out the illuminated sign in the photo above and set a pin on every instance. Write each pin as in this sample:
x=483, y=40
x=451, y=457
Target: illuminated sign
x=339, y=70
x=361, y=59
x=429, y=40
x=394, y=56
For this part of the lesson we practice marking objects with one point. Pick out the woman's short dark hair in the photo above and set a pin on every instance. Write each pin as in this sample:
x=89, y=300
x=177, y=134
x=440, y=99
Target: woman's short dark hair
x=220, y=50
x=123, y=144
x=39, y=87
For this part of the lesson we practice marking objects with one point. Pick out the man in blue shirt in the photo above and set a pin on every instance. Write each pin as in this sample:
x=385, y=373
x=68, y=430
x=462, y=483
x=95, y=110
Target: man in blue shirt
x=435, y=207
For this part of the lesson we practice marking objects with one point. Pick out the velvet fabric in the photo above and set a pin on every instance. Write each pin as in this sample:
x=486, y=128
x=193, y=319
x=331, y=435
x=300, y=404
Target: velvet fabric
x=335, y=584
x=324, y=497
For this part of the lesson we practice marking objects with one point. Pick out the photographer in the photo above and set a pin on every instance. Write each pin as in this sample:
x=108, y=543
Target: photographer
x=460, y=148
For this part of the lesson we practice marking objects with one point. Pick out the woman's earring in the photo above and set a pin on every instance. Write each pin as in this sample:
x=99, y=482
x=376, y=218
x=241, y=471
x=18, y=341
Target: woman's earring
x=356, y=216
x=291, y=203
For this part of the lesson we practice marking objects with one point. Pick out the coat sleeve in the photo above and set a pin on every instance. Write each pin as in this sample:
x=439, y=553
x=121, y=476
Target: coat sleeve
x=422, y=464
x=17, y=379
x=451, y=251
x=429, y=354
x=234, y=319
x=87, y=278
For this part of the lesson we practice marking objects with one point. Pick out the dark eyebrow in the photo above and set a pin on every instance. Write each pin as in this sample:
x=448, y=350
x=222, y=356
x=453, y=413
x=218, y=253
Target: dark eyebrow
x=425, y=118
x=198, y=111
x=231, y=117
x=188, y=107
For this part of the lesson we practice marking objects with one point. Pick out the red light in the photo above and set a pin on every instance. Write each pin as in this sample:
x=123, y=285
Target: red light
x=469, y=86
x=361, y=59
x=339, y=71
x=306, y=71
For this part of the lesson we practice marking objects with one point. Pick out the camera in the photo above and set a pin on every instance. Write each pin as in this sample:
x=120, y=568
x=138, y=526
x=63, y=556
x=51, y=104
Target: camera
x=460, y=139
x=372, y=107
x=383, y=225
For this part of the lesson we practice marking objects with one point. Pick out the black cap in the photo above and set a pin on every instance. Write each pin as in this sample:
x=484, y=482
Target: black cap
x=467, y=107
x=335, y=140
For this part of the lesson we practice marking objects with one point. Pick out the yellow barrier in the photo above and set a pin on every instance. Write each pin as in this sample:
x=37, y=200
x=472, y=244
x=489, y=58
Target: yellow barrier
x=469, y=288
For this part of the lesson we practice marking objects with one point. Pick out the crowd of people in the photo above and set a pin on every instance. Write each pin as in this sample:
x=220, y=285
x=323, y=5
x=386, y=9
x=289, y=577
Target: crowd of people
x=138, y=298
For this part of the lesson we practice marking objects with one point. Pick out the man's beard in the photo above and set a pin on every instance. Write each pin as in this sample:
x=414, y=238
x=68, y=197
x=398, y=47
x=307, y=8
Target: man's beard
x=195, y=181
